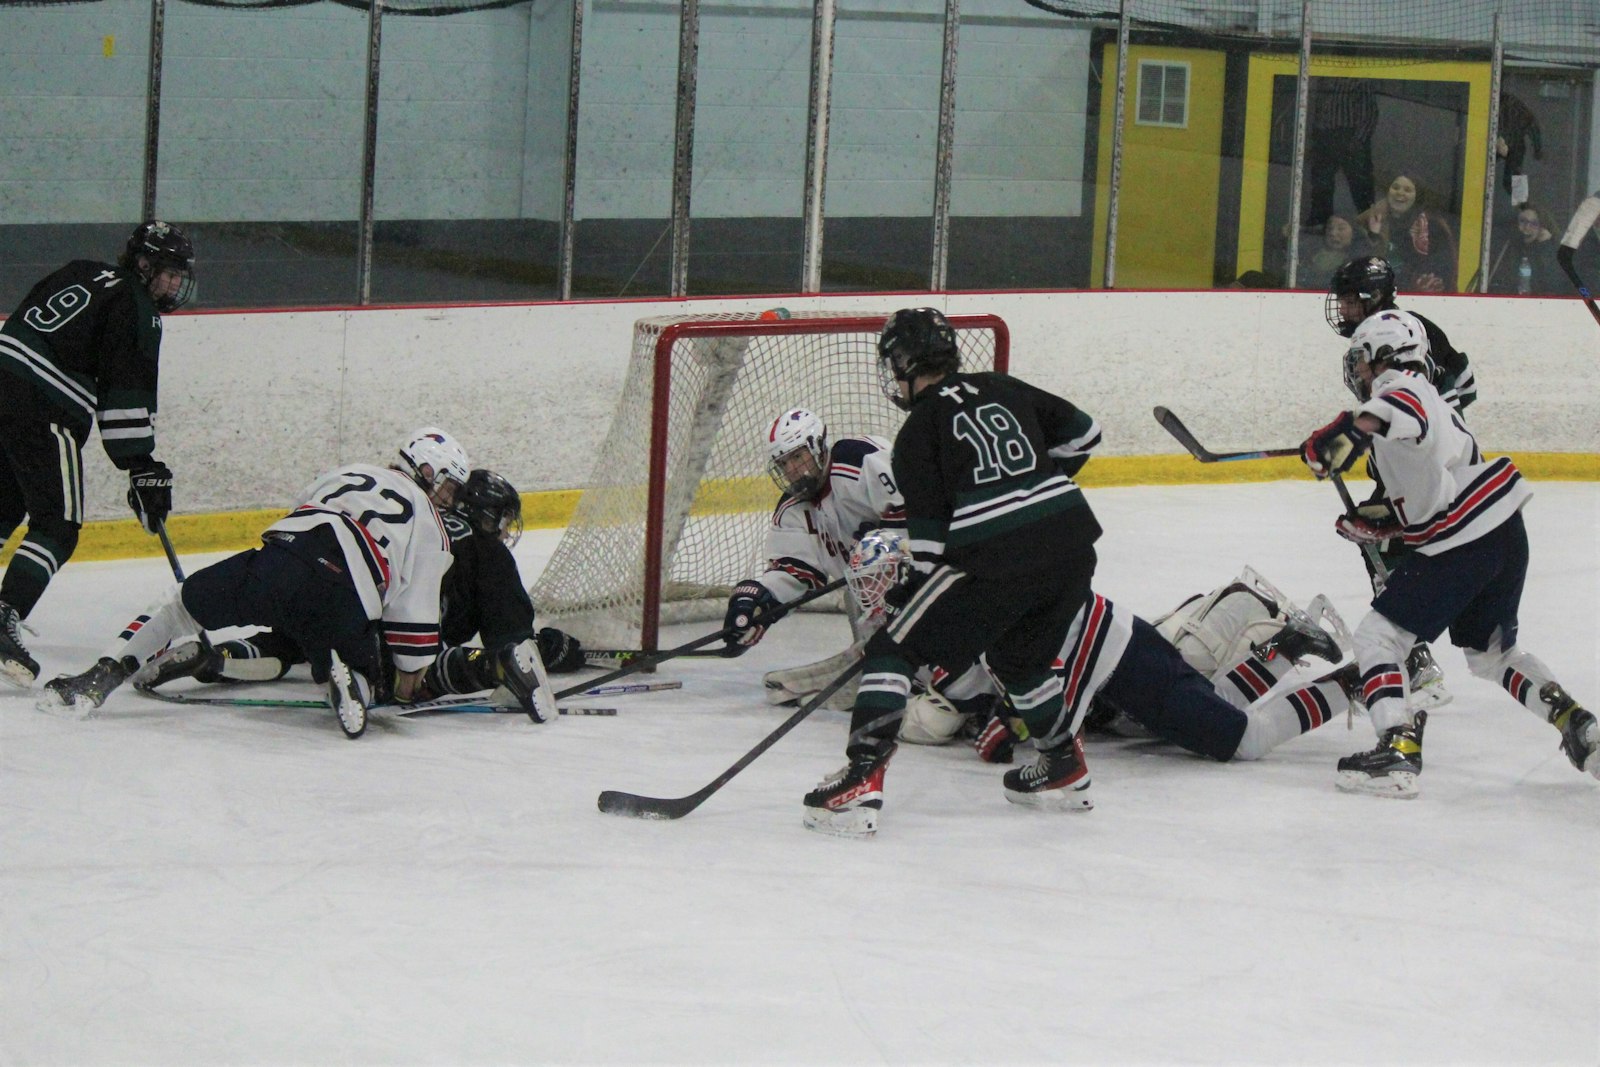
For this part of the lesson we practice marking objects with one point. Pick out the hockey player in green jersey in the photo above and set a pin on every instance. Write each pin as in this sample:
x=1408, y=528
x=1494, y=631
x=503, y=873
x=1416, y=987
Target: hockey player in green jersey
x=1002, y=543
x=83, y=346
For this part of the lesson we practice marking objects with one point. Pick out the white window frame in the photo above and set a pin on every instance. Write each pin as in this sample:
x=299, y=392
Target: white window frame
x=1148, y=68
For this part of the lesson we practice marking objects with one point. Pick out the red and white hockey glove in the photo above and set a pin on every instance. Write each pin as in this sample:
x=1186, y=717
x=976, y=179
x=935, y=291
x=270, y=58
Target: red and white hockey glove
x=1372, y=524
x=1335, y=448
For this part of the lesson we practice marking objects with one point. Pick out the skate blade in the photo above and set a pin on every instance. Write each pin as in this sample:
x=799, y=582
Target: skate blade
x=853, y=823
x=1398, y=786
x=77, y=711
x=1076, y=799
x=1428, y=698
x=16, y=674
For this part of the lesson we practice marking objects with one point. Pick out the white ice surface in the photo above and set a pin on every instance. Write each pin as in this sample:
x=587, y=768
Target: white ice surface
x=206, y=885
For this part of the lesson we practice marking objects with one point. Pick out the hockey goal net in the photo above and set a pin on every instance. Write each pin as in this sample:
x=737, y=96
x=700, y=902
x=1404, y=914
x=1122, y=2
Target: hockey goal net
x=676, y=510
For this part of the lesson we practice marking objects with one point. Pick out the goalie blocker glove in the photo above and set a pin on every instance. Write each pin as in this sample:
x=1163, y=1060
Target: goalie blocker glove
x=150, y=493
x=749, y=599
x=1334, y=448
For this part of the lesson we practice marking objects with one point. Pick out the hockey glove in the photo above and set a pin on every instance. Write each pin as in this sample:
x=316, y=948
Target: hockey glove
x=899, y=595
x=150, y=493
x=995, y=742
x=561, y=652
x=1335, y=448
x=1372, y=524
x=749, y=600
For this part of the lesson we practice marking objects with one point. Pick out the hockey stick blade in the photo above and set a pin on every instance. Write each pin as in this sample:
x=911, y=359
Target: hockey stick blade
x=442, y=706
x=630, y=687
x=1174, y=425
x=613, y=802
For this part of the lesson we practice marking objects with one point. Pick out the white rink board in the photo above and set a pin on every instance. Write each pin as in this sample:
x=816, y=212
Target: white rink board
x=253, y=406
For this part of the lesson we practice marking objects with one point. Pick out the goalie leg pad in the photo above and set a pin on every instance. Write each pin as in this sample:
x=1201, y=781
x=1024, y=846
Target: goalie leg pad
x=795, y=684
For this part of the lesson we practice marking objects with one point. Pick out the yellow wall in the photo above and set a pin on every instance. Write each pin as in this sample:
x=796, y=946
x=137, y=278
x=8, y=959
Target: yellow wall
x=1167, y=214
x=1258, y=126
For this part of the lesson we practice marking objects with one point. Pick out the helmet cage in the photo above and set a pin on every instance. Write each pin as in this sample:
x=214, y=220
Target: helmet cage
x=797, y=454
x=1388, y=339
x=878, y=563
x=1371, y=280
x=491, y=506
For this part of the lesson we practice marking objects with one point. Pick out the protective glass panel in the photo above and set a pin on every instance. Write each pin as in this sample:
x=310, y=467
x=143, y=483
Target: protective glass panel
x=72, y=132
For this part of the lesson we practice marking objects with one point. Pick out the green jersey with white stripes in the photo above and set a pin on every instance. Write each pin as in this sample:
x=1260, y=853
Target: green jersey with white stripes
x=87, y=338
x=986, y=463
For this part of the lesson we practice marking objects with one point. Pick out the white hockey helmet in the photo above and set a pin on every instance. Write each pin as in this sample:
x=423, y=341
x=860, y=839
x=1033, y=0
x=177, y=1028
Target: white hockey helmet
x=877, y=563
x=433, y=448
x=1391, y=337
x=797, y=453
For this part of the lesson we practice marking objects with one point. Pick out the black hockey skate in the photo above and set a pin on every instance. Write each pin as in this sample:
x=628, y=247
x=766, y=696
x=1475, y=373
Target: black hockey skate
x=1427, y=679
x=1391, y=769
x=347, y=695
x=188, y=660
x=1298, y=639
x=847, y=802
x=1580, y=732
x=517, y=671
x=88, y=690
x=16, y=666
x=1057, y=780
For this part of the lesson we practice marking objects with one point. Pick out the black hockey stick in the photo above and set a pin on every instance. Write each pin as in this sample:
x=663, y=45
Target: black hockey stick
x=638, y=807
x=648, y=661
x=1564, y=257
x=1174, y=425
x=426, y=707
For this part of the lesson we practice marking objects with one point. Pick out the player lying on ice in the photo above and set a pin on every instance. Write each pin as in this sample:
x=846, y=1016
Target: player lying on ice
x=1461, y=514
x=483, y=598
x=363, y=554
x=1207, y=676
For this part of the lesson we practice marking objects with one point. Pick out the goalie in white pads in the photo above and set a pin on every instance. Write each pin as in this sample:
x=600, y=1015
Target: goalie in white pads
x=363, y=554
x=833, y=492
x=1205, y=677
x=1462, y=516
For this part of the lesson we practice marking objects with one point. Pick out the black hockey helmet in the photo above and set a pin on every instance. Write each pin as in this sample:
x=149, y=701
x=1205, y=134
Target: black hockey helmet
x=157, y=246
x=491, y=505
x=1369, y=278
x=915, y=343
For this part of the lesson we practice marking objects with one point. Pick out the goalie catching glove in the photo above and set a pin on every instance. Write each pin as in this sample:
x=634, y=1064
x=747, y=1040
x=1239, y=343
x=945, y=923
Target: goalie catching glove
x=749, y=600
x=1335, y=448
x=150, y=493
x=1372, y=524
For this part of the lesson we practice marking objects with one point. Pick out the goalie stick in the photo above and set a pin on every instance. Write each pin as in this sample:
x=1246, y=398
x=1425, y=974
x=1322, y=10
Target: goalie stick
x=1174, y=425
x=613, y=802
x=647, y=661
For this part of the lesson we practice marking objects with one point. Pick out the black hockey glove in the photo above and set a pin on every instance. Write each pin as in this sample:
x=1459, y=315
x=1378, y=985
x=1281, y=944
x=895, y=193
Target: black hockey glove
x=749, y=599
x=150, y=493
x=1334, y=448
x=899, y=595
x=561, y=652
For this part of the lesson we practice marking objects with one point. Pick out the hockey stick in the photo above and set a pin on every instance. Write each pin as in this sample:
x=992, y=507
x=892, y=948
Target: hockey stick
x=440, y=706
x=1564, y=257
x=1380, y=573
x=177, y=570
x=646, y=662
x=617, y=657
x=1174, y=425
x=613, y=802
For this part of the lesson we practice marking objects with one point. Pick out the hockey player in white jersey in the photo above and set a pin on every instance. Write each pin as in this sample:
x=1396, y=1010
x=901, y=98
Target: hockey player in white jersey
x=360, y=557
x=1462, y=516
x=833, y=492
x=1206, y=676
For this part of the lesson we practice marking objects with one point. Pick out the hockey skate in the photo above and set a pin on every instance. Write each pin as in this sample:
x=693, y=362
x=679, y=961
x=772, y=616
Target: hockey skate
x=16, y=666
x=1299, y=638
x=188, y=660
x=87, y=691
x=847, y=802
x=1391, y=769
x=1427, y=689
x=347, y=695
x=517, y=672
x=1057, y=780
x=1580, y=732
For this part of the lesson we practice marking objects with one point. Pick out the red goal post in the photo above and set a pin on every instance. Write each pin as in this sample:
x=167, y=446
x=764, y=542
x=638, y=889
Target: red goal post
x=676, y=510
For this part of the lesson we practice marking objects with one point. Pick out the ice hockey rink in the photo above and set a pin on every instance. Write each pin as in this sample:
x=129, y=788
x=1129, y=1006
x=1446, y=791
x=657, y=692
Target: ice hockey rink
x=190, y=885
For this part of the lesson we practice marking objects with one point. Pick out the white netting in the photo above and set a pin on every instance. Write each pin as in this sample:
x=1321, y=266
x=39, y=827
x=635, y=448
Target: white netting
x=728, y=376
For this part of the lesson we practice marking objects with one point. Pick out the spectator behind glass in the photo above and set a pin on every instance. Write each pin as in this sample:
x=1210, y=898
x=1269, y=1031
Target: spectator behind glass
x=1537, y=246
x=1321, y=256
x=1414, y=237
